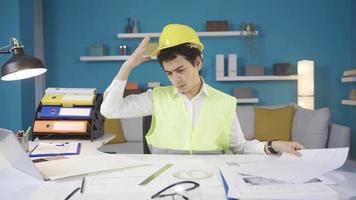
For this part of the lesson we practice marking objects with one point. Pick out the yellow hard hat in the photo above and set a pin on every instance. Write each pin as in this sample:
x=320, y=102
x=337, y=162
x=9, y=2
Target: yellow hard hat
x=176, y=34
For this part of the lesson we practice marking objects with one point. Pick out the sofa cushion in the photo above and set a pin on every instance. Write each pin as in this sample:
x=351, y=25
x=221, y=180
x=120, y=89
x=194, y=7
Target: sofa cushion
x=310, y=127
x=113, y=126
x=273, y=124
x=246, y=117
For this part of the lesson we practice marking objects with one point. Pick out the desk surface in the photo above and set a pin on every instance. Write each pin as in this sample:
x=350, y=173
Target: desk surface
x=30, y=187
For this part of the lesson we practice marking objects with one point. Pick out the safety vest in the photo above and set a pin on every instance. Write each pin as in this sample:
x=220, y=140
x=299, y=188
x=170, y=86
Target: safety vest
x=171, y=126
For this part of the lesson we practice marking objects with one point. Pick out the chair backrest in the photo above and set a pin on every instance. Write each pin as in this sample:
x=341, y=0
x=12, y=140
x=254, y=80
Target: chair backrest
x=146, y=124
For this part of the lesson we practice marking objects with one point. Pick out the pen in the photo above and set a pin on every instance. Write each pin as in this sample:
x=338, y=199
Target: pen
x=72, y=193
x=27, y=131
x=83, y=185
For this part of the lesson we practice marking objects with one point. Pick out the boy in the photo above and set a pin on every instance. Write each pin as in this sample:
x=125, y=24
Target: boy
x=189, y=117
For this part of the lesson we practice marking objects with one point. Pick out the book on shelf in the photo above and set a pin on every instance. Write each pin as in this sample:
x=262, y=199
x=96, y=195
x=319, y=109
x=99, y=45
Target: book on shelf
x=349, y=72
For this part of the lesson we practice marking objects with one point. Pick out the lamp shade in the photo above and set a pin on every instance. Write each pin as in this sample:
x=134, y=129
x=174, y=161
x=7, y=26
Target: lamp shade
x=21, y=66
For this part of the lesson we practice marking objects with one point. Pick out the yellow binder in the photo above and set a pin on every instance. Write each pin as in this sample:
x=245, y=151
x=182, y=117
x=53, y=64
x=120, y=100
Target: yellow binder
x=68, y=100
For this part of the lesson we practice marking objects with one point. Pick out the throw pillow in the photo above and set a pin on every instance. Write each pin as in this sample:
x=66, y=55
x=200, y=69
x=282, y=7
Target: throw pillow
x=113, y=126
x=310, y=127
x=273, y=124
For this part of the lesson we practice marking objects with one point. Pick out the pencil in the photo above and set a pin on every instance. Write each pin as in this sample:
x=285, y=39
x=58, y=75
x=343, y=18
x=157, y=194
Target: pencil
x=83, y=185
x=72, y=193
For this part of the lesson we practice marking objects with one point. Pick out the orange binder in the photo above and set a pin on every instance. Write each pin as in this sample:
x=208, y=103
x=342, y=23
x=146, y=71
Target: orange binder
x=60, y=126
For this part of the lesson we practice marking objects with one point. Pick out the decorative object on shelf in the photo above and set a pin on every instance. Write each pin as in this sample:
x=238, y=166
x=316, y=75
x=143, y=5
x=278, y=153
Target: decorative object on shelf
x=250, y=28
x=250, y=42
x=152, y=84
x=232, y=65
x=98, y=50
x=353, y=94
x=132, y=26
x=123, y=49
x=132, y=88
x=20, y=66
x=254, y=70
x=221, y=25
x=350, y=72
x=242, y=93
x=306, y=84
x=282, y=69
x=219, y=65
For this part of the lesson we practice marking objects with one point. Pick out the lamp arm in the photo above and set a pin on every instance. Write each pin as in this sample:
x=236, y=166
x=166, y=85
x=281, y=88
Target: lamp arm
x=5, y=52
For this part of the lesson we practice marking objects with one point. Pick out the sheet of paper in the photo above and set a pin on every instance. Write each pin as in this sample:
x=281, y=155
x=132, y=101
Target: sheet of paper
x=247, y=186
x=292, y=169
x=127, y=181
x=345, y=183
x=56, y=169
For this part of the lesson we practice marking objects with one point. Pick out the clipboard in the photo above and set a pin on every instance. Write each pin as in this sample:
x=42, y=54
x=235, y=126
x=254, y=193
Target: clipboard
x=56, y=149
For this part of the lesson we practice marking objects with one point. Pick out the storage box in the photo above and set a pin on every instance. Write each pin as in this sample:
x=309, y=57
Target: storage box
x=282, y=69
x=217, y=25
x=254, y=70
x=219, y=65
x=232, y=65
x=98, y=50
x=242, y=93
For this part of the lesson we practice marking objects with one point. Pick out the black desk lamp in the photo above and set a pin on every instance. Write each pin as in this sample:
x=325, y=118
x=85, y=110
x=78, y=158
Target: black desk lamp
x=20, y=65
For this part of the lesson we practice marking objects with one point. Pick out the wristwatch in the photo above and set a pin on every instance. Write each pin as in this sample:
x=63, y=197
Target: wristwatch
x=270, y=148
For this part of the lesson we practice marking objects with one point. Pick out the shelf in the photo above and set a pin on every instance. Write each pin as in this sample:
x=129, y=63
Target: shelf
x=258, y=78
x=248, y=100
x=348, y=79
x=348, y=102
x=202, y=34
x=105, y=58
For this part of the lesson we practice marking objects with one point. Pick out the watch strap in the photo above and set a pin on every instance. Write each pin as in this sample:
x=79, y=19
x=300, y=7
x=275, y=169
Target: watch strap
x=270, y=148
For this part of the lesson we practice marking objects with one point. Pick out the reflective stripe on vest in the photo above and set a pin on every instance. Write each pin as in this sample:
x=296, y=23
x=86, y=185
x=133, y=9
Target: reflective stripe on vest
x=171, y=126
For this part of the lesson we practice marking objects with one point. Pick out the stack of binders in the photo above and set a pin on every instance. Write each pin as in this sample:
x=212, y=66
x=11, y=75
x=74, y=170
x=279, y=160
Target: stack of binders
x=69, y=112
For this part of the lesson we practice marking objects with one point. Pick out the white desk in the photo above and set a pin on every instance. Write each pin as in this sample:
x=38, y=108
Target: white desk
x=17, y=185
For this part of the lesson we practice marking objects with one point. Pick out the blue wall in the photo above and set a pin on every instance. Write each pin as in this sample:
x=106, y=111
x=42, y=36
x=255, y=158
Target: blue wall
x=351, y=115
x=17, y=97
x=321, y=30
x=10, y=92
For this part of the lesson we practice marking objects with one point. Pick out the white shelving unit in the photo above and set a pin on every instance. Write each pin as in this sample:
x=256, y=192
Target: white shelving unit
x=348, y=102
x=348, y=79
x=106, y=58
x=141, y=35
x=248, y=100
x=202, y=34
x=258, y=78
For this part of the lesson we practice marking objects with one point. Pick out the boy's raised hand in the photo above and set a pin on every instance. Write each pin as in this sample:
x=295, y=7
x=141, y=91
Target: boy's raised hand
x=138, y=56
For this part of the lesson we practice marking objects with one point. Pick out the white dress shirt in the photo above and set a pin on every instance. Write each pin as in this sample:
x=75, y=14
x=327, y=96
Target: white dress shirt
x=138, y=105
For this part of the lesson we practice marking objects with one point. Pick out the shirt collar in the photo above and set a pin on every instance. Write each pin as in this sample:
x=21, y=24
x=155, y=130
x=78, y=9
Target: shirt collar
x=203, y=89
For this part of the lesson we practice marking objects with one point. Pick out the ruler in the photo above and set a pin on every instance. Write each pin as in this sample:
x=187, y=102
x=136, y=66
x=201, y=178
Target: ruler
x=156, y=174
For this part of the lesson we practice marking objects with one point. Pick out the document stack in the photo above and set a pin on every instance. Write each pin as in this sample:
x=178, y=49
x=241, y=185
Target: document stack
x=284, y=177
x=69, y=112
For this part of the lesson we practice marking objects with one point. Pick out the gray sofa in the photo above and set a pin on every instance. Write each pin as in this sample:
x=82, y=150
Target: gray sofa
x=311, y=128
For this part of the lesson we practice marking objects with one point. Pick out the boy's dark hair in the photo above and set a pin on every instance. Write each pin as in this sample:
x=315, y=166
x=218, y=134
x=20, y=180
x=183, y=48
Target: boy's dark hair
x=186, y=50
